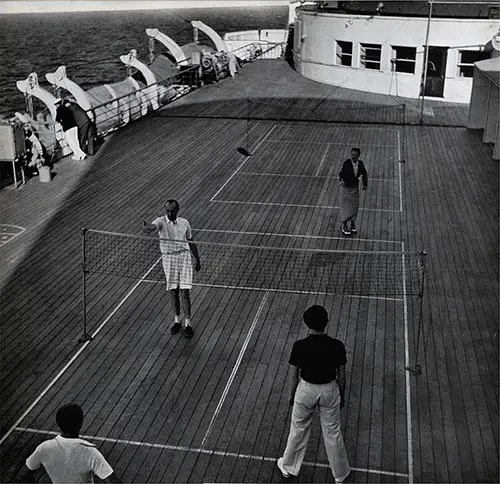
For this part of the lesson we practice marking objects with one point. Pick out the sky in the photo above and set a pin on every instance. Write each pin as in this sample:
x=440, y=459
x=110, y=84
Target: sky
x=37, y=6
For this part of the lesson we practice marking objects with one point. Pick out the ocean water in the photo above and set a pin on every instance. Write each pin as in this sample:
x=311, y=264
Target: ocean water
x=89, y=44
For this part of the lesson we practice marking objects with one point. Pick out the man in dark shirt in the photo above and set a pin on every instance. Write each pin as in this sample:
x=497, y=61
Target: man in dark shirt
x=317, y=380
x=352, y=170
x=65, y=117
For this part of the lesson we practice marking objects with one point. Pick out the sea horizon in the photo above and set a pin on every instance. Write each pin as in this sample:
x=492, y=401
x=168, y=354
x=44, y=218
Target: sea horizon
x=54, y=6
x=42, y=42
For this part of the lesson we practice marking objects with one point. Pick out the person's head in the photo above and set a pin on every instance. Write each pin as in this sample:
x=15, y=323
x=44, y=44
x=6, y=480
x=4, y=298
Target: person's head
x=69, y=418
x=316, y=318
x=355, y=152
x=172, y=209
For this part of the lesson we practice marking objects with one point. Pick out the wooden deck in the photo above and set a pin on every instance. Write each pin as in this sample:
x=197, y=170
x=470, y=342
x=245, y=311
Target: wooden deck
x=213, y=409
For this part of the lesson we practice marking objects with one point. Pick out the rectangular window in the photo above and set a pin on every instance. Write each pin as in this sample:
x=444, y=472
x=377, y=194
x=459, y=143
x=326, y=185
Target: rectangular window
x=370, y=56
x=403, y=59
x=344, y=53
x=466, y=59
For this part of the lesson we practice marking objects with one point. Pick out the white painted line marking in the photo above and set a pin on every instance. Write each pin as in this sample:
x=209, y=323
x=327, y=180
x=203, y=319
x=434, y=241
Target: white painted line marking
x=296, y=235
x=323, y=158
x=7, y=235
x=242, y=164
x=3, y=228
x=361, y=145
x=260, y=173
x=235, y=369
x=400, y=175
x=269, y=204
x=77, y=354
x=206, y=451
x=283, y=291
x=407, y=373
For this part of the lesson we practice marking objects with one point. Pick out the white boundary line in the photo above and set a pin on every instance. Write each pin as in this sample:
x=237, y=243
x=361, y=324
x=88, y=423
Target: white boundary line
x=407, y=374
x=322, y=162
x=76, y=355
x=400, y=174
x=296, y=235
x=235, y=370
x=242, y=164
x=346, y=126
x=22, y=229
x=283, y=291
x=205, y=451
x=12, y=234
x=289, y=175
x=238, y=202
x=289, y=142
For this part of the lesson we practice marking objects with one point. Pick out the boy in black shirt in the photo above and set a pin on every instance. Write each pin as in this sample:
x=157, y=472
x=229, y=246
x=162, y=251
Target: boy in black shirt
x=317, y=379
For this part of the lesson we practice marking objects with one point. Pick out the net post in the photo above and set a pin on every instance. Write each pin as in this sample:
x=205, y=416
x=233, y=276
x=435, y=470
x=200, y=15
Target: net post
x=416, y=369
x=245, y=151
x=403, y=135
x=85, y=336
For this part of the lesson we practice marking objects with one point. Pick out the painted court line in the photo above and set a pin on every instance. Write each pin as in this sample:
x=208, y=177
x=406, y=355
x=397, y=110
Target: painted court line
x=77, y=354
x=361, y=145
x=269, y=204
x=407, y=373
x=400, y=174
x=242, y=164
x=206, y=451
x=287, y=175
x=283, y=291
x=235, y=370
x=7, y=234
x=296, y=235
x=322, y=162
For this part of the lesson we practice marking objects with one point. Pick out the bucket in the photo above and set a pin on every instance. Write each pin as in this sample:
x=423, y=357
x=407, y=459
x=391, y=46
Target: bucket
x=44, y=174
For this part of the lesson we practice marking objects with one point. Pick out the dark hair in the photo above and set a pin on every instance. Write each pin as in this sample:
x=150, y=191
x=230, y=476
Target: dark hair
x=171, y=200
x=70, y=418
x=356, y=149
x=316, y=317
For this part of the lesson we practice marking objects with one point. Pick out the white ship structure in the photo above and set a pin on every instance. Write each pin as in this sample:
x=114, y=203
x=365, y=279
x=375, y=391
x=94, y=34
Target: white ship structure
x=366, y=46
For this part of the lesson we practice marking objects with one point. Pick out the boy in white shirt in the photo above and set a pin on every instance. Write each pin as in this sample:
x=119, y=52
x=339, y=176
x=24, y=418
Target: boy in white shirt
x=67, y=458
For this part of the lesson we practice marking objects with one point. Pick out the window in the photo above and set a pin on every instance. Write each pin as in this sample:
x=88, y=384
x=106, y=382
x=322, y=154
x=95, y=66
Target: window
x=403, y=59
x=344, y=53
x=370, y=56
x=466, y=59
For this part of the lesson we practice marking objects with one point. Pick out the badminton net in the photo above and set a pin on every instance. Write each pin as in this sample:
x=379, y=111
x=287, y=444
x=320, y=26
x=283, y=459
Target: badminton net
x=280, y=269
x=293, y=110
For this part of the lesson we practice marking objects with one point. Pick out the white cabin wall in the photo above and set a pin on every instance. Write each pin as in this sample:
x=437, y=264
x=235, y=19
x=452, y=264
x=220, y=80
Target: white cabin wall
x=314, y=52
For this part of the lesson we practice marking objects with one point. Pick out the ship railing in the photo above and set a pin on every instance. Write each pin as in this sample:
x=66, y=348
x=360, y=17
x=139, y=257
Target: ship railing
x=115, y=113
x=258, y=49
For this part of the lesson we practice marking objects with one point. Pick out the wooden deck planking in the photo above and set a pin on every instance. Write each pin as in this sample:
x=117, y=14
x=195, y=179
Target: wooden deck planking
x=291, y=221
x=457, y=289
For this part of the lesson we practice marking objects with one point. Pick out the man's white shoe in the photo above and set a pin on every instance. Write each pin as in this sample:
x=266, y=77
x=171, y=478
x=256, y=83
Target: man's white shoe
x=343, y=478
x=285, y=473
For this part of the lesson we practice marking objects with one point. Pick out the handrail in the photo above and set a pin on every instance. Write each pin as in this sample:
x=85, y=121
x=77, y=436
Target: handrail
x=259, y=43
x=194, y=68
x=119, y=111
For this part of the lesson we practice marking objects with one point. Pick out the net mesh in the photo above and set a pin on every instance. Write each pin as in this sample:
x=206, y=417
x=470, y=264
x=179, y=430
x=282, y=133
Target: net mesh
x=280, y=269
x=294, y=110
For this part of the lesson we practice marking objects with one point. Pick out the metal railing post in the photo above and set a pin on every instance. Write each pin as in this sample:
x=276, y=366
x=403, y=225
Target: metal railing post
x=85, y=337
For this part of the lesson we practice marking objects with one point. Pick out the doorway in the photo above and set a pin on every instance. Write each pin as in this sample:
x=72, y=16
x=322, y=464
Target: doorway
x=436, y=68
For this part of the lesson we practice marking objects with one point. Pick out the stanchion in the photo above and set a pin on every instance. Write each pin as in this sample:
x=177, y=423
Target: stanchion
x=85, y=336
x=403, y=137
x=245, y=150
x=416, y=369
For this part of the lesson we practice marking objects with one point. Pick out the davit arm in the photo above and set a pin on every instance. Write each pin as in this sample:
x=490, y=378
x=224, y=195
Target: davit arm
x=220, y=45
x=170, y=44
